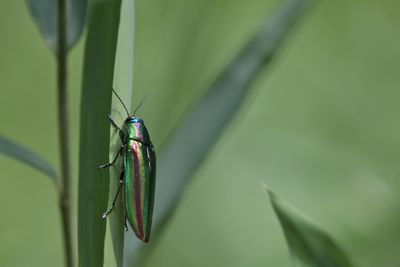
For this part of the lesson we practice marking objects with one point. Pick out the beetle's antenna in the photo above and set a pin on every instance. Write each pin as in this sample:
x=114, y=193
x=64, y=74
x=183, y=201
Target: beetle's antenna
x=139, y=105
x=127, y=112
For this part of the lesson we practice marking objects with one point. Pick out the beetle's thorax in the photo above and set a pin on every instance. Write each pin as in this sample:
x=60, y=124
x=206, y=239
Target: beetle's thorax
x=134, y=129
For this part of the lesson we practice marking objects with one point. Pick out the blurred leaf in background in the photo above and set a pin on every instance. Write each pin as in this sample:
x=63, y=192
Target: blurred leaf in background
x=307, y=242
x=44, y=12
x=24, y=155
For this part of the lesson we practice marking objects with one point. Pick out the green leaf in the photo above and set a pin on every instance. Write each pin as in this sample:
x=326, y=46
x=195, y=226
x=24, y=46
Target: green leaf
x=94, y=129
x=44, y=13
x=123, y=84
x=307, y=242
x=18, y=152
x=190, y=143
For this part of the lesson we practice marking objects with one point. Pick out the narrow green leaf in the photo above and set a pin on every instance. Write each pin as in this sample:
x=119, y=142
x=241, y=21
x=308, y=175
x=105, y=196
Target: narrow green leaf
x=94, y=129
x=191, y=143
x=18, y=152
x=307, y=242
x=123, y=84
x=44, y=13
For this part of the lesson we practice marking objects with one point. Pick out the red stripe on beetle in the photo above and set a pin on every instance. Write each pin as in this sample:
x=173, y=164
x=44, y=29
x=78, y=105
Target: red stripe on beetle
x=139, y=132
x=137, y=185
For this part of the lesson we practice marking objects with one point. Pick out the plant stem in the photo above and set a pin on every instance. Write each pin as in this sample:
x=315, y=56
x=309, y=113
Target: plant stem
x=64, y=195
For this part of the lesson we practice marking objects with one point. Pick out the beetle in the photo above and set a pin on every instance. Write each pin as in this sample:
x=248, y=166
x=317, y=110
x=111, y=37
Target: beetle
x=137, y=173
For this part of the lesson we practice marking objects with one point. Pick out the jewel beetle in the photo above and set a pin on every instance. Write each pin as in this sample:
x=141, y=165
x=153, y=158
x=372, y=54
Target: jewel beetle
x=137, y=173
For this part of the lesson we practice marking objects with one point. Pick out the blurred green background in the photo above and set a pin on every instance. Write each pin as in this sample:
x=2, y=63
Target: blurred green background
x=321, y=127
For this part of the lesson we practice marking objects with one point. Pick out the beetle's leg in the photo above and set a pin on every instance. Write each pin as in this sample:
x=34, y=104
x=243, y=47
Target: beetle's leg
x=126, y=225
x=105, y=214
x=120, y=132
x=114, y=160
x=113, y=123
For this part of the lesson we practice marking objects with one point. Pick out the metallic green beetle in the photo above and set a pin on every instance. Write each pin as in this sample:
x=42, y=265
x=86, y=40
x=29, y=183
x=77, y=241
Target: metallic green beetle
x=138, y=173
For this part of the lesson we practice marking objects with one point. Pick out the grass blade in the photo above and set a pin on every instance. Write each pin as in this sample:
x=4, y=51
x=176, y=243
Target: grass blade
x=44, y=13
x=123, y=84
x=24, y=155
x=307, y=242
x=190, y=143
x=94, y=129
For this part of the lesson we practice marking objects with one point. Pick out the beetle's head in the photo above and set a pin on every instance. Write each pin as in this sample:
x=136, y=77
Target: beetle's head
x=133, y=119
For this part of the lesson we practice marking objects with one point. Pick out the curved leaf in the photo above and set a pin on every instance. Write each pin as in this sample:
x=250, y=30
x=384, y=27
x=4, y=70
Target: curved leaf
x=307, y=242
x=44, y=13
x=191, y=143
x=16, y=151
x=123, y=84
x=94, y=129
